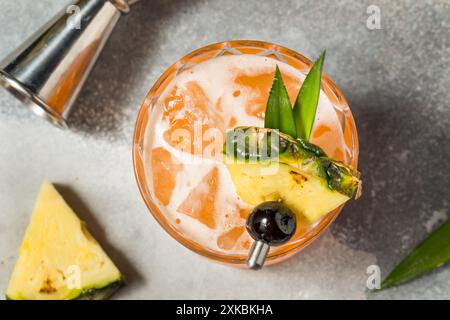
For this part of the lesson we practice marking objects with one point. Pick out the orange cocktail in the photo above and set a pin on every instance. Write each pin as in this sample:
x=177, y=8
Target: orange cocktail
x=180, y=133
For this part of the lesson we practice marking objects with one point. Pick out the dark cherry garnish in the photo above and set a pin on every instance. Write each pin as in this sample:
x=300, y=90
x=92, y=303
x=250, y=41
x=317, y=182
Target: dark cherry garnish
x=271, y=223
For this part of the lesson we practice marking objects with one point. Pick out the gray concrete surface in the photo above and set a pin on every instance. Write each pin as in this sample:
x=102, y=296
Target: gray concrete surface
x=396, y=80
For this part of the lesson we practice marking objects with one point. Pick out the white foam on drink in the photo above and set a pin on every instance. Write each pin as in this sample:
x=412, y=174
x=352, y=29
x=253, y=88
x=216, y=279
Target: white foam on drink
x=216, y=78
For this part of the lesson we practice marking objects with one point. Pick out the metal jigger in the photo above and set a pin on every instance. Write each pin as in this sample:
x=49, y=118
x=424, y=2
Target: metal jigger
x=48, y=70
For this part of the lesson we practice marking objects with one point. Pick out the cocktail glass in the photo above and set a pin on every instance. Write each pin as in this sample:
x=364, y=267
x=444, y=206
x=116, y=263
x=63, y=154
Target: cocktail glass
x=143, y=167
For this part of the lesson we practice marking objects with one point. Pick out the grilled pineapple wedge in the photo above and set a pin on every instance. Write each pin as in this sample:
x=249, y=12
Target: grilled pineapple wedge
x=267, y=165
x=59, y=259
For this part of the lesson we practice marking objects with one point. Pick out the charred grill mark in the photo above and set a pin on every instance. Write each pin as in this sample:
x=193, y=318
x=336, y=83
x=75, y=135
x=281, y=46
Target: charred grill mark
x=297, y=177
x=47, y=287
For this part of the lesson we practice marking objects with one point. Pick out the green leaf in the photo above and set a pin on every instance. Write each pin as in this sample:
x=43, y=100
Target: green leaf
x=306, y=103
x=432, y=253
x=279, y=110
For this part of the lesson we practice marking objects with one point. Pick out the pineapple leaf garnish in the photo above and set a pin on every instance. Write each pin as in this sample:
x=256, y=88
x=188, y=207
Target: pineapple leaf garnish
x=298, y=121
x=306, y=103
x=279, y=113
x=432, y=253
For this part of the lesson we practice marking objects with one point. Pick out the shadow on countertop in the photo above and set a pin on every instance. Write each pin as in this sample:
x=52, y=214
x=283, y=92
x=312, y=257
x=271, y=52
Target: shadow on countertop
x=405, y=171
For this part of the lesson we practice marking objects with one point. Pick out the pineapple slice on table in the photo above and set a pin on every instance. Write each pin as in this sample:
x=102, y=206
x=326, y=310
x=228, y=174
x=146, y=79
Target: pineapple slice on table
x=59, y=259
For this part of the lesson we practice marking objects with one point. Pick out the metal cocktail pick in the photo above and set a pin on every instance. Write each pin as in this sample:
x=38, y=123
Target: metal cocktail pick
x=48, y=70
x=269, y=224
x=257, y=255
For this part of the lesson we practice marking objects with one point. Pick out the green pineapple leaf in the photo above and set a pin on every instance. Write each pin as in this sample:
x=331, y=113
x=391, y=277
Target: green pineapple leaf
x=279, y=113
x=308, y=97
x=432, y=253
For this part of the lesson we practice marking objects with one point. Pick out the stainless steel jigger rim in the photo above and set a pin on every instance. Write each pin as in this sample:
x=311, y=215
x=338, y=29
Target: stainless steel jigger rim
x=31, y=100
